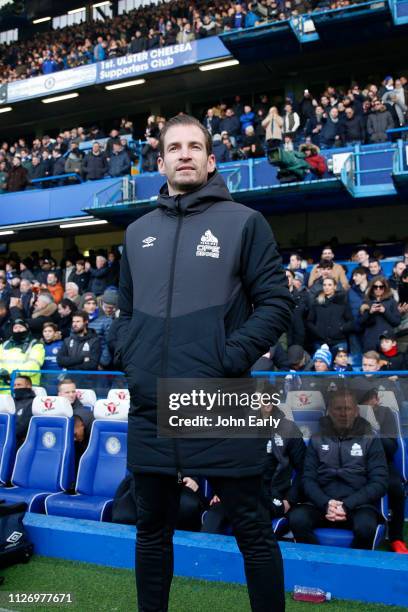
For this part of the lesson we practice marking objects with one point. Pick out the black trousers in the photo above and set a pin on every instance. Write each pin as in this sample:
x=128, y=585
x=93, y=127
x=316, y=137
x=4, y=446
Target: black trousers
x=396, y=502
x=305, y=518
x=157, y=500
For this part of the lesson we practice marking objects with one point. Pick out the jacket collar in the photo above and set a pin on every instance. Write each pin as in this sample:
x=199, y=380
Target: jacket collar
x=196, y=201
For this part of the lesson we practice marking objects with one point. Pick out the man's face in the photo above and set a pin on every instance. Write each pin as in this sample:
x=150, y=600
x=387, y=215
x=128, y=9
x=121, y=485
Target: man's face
x=327, y=255
x=48, y=334
x=22, y=383
x=370, y=365
x=358, y=278
x=3, y=311
x=343, y=411
x=79, y=268
x=68, y=390
x=51, y=280
x=100, y=262
x=341, y=359
x=399, y=268
x=63, y=311
x=362, y=256
x=290, y=279
x=294, y=262
x=108, y=309
x=349, y=113
x=185, y=161
x=90, y=306
x=71, y=291
x=326, y=273
x=387, y=344
x=374, y=268
x=78, y=325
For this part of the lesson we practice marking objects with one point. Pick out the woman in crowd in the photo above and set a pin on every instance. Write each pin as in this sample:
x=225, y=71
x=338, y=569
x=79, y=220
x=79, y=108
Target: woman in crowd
x=379, y=313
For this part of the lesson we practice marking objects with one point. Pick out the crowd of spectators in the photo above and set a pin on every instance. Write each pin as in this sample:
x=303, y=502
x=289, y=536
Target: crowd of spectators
x=167, y=23
x=240, y=130
x=64, y=317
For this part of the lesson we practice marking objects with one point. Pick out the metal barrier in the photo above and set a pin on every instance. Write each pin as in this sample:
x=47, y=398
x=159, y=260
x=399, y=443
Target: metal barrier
x=57, y=177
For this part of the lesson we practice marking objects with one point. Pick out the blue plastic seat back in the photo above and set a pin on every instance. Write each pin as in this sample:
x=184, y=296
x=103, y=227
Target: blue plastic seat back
x=7, y=446
x=103, y=465
x=46, y=459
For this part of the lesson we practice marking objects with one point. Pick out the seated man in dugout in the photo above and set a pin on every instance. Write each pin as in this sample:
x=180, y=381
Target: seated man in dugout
x=345, y=475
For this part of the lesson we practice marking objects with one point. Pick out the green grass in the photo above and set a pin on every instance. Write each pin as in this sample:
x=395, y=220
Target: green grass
x=97, y=588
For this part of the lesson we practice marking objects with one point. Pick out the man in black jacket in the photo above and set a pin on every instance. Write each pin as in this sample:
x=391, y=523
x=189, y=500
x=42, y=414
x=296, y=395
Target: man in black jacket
x=202, y=294
x=23, y=399
x=345, y=475
x=95, y=165
x=81, y=350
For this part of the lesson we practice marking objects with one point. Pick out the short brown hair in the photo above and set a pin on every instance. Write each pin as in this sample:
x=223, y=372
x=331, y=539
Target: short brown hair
x=50, y=324
x=184, y=120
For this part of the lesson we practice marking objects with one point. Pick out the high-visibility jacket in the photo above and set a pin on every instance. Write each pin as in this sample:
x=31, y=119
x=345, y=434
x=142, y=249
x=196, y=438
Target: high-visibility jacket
x=25, y=356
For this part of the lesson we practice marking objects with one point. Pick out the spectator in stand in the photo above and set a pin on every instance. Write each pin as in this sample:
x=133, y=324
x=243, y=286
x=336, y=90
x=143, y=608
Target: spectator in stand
x=150, y=152
x=273, y=124
x=231, y=124
x=119, y=162
x=72, y=293
x=352, y=129
x=74, y=160
x=342, y=487
x=103, y=322
x=80, y=276
x=114, y=269
x=20, y=352
x=66, y=310
x=58, y=163
x=251, y=145
x=378, y=313
x=90, y=306
x=390, y=357
x=398, y=270
x=374, y=267
x=295, y=264
x=338, y=272
x=341, y=360
x=378, y=122
x=330, y=319
x=52, y=340
x=23, y=396
x=356, y=297
x=99, y=276
x=35, y=170
x=314, y=125
x=54, y=287
x=291, y=122
x=6, y=322
x=317, y=163
x=3, y=177
x=43, y=310
x=95, y=165
x=17, y=179
x=296, y=334
x=363, y=259
x=322, y=359
x=81, y=350
x=396, y=99
x=298, y=359
x=220, y=151
x=247, y=118
x=211, y=122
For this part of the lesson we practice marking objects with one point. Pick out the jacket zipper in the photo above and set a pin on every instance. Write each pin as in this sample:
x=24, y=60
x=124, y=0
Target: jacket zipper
x=167, y=328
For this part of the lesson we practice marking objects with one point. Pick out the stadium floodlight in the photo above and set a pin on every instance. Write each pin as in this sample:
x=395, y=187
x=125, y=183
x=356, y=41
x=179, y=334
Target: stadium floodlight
x=60, y=98
x=216, y=65
x=7, y=233
x=101, y=4
x=5, y=109
x=79, y=224
x=41, y=20
x=77, y=10
x=127, y=84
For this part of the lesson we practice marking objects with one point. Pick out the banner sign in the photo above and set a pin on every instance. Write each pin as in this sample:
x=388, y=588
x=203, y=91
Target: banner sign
x=51, y=83
x=128, y=66
x=137, y=64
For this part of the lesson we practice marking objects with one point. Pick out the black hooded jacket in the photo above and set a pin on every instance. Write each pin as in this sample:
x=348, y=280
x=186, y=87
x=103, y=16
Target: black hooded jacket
x=352, y=469
x=80, y=352
x=330, y=321
x=23, y=400
x=202, y=295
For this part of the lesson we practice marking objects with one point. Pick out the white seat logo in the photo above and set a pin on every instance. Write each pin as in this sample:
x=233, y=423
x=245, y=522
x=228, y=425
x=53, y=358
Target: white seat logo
x=208, y=246
x=113, y=445
x=49, y=439
x=148, y=242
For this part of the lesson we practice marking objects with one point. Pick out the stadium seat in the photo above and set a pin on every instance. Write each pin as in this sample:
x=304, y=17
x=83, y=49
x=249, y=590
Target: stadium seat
x=87, y=397
x=387, y=398
x=305, y=400
x=7, y=437
x=119, y=394
x=101, y=469
x=329, y=536
x=40, y=391
x=45, y=462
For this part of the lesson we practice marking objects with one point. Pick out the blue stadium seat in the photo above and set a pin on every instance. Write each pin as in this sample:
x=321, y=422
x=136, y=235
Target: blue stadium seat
x=101, y=469
x=45, y=462
x=7, y=437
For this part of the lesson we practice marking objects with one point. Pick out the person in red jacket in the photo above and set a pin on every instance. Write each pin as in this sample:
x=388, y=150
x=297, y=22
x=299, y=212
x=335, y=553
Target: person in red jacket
x=317, y=162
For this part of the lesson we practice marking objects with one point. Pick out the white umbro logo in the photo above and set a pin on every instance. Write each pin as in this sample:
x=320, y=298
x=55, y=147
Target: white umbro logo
x=14, y=537
x=208, y=246
x=148, y=242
